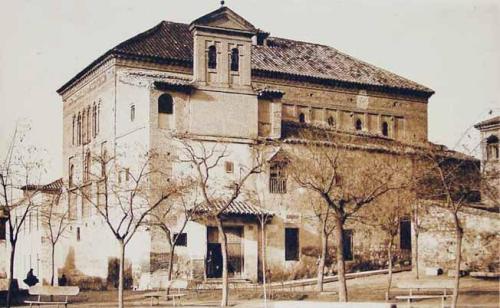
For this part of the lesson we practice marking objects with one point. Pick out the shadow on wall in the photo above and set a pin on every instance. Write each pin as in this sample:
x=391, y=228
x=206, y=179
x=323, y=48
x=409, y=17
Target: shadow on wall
x=77, y=278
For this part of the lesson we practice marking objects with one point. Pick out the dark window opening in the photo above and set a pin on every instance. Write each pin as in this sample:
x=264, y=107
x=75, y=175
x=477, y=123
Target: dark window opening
x=165, y=104
x=385, y=129
x=235, y=60
x=492, y=147
x=70, y=176
x=2, y=229
x=347, y=245
x=277, y=177
x=291, y=244
x=212, y=57
x=331, y=122
x=132, y=113
x=359, y=124
x=229, y=166
x=302, y=118
x=405, y=234
x=180, y=239
x=78, y=234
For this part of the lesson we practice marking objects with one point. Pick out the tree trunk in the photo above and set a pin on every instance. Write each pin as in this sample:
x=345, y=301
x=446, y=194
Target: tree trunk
x=263, y=248
x=52, y=257
x=417, y=274
x=11, y=273
x=170, y=266
x=225, y=284
x=340, y=259
x=458, y=259
x=121, y=275
x=389, y=277
x=322, y=260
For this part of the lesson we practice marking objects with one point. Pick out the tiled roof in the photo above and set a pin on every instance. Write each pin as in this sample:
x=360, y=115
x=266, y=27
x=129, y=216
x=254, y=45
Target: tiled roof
x=492, y=121
x=55, y=186
x=171, y=42
x=235, y=208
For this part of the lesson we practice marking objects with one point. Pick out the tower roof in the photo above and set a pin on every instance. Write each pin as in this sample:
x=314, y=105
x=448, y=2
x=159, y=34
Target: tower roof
x=172, y=43
x=488, y=123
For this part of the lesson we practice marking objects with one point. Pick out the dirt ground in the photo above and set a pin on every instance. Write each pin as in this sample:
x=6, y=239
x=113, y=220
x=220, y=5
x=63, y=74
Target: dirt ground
x=473, y=293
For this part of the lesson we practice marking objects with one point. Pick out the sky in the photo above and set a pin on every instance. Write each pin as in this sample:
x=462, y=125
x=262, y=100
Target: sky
x=451, y=46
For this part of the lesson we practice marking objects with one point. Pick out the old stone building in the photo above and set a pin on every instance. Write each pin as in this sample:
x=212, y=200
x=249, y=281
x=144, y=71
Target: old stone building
x=221, y=80
x=490, y=161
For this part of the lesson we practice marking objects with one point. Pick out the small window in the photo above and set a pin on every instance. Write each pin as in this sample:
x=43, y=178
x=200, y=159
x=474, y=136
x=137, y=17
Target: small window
x=385, y=129
x=348, y=256
x=77, y=234
x=2, y=229
x=86, y=167
x=127, y=174
x=166, y=104
x=71, y=172
x=235, y=60
x=229, y=167
x=132, y=113
x=291, y=244
x=277, y=177
x=331, y=122
x=359, y=124
x=212, y=57
x=302, y=118
x=181, y=239
x=405, y=234
x=492, y=147
x=73, y=131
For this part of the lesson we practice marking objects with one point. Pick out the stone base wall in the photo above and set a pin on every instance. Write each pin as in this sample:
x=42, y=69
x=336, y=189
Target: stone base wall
x=480, y=246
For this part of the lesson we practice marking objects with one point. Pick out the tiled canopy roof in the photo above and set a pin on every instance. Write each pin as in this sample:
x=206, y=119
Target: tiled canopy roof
x=235, y=208
x=170, y=42
x=55, y=186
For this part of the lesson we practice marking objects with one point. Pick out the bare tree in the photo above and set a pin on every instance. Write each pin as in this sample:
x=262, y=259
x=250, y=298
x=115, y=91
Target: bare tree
x=346, y=180
x=218, y=198
x=176, y=213
x=55, y=219
x=126, y=197
x=386, y=216
x=21, y=167
x=450, y=182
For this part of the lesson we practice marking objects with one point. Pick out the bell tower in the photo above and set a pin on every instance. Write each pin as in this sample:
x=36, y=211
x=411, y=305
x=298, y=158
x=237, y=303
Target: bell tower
x=222, y=50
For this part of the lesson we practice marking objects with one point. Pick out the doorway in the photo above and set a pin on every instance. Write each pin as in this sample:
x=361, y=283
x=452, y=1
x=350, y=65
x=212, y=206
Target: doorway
x=234, y=250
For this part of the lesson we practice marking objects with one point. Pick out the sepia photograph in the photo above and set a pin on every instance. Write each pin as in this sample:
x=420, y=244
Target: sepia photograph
x=250, y=153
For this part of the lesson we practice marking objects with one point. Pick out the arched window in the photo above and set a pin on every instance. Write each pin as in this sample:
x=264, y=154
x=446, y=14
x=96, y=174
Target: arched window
x=385, y=129
x=492, y=150
x=79, y=130
x=86, y=167
x=165, y=108
x=359, y=124
x=132, y=113
x=94, y=120
x=70, y=174
x=331, y=122
x=235, y=60
x=302, y=118
x=73, y=132
x=98, y=123
x=84, y=127
x=88, y=127
x=212, y=57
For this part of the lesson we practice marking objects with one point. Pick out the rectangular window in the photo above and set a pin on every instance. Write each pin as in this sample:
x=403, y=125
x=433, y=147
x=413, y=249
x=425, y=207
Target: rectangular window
x=291, y=244
x=405, y=234
x=277, y=178
x=2, y=229
x=229, y=166
x=181, y=239
x=348, y=256
x=132, y=113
